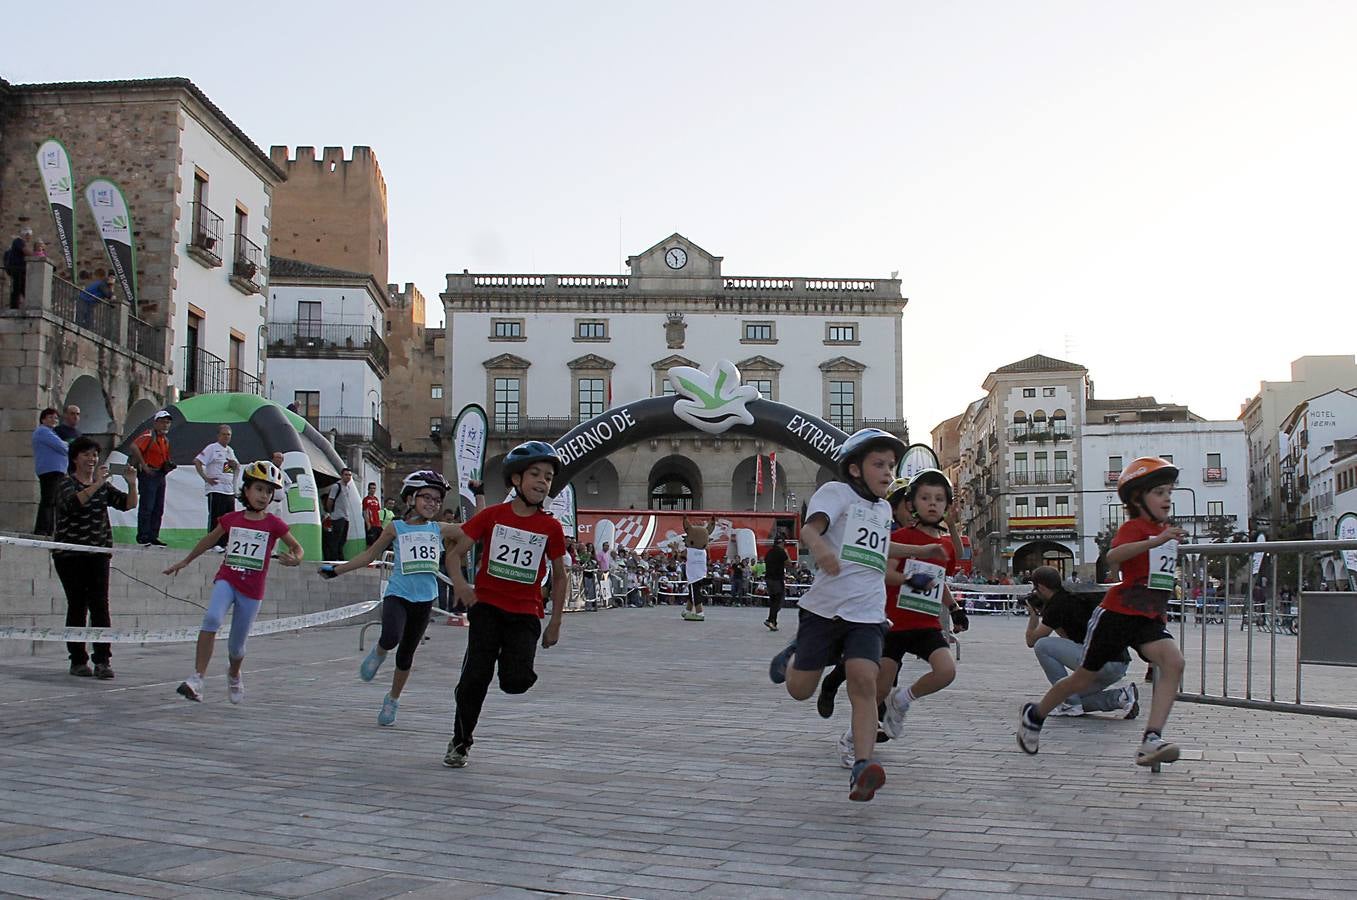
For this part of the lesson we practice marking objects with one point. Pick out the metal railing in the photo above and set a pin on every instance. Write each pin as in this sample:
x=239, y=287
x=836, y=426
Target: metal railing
x=84, y=309
x=241, y=382
x=899, y=427
x=1325, y=636
x=1039, y=432
x=312, y=340
x=145, y=339
x=354, y=429
x=525, y=426
x=1060, y=476
x=247, y=263
x=204, y=373
x=205, y=239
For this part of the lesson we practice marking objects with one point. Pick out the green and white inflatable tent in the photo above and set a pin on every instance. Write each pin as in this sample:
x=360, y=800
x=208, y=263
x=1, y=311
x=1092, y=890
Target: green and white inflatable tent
x=259, y=428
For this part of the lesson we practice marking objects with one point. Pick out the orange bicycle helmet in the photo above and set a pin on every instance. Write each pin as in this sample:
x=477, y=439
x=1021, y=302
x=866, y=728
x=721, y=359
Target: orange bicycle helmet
x=1143, y=474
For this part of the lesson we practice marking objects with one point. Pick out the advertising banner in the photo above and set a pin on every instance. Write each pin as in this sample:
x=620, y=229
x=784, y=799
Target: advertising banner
x=54, y=167
x=1346, y=530
x=468, y=434
x=111, y=216
x=562, y=506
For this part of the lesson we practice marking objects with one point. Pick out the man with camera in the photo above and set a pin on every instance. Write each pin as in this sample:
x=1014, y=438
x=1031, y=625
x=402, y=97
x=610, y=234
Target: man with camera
x=1056, y=624
x=150, y=452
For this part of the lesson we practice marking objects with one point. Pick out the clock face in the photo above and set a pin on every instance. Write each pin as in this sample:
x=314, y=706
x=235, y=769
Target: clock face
x=676, y=258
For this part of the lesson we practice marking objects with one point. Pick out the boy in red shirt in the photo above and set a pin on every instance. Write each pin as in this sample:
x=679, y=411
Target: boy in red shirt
x=1134, y=612
x=517, y=540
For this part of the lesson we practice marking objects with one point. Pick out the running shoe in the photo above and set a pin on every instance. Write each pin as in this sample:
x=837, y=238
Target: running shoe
x=235, y=688
x=897, y=707
x=192, y=688
x=1154, y=750
x=367, y=669
x=824, y=704
x=82, y=670
x=1029, y=729
x=455, y=758
x=388, y=714
x=1130, y=701
x=867, y=778
x=846, y=755
x=777, y=669
x=103, y=670
x=1068, y=708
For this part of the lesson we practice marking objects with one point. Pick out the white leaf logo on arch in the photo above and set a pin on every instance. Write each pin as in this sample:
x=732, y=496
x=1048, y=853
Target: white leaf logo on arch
x=712, y=401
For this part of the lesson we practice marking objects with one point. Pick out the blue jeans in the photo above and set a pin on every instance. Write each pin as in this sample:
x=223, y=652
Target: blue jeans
x=150, y=506
x=226, y=597
x=1059, y=656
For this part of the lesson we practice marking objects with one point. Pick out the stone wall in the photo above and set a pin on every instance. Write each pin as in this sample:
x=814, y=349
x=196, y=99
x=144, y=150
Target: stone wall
x=33, y=596
x=332, y=210
x=416, y=363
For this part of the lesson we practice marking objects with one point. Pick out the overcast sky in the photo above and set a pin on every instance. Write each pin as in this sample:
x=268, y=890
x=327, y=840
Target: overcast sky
x=1162, y=191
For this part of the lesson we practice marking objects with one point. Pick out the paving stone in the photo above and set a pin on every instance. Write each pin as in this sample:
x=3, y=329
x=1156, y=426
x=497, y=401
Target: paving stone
x=631, y=771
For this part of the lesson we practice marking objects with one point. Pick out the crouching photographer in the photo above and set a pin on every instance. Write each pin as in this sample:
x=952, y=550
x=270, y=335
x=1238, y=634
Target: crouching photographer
x=1057, y=622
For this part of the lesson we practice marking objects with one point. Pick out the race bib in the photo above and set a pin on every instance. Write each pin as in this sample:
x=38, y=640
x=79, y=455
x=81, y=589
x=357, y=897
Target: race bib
x=419, y=552
x=866, y=537
x=922, y=590
x=246, y=547
x=515, y=554
x=1163, y=566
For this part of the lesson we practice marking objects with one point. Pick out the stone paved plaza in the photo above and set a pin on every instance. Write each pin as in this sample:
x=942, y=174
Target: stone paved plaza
x=653, y=759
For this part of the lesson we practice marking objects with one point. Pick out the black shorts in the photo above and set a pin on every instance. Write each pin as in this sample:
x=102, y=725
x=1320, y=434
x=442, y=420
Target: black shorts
x=1111, y=633
x=922, y=642
x=821, y=642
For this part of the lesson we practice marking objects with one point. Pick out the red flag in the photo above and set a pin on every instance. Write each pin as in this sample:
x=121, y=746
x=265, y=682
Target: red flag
x=772, y=478
x=758, y=475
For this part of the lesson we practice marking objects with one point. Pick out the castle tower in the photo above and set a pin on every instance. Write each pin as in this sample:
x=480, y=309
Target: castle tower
x=331, y=211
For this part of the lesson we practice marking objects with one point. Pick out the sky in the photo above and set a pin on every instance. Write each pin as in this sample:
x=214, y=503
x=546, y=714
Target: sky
x=1160, y=191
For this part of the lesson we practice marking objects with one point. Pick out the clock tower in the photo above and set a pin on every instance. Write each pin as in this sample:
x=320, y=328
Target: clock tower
x=675, y=264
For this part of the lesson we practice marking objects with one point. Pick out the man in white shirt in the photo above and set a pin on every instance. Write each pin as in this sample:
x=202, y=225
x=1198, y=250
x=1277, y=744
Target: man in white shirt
x=278, y=505
x=219, y=469
x=342, y=507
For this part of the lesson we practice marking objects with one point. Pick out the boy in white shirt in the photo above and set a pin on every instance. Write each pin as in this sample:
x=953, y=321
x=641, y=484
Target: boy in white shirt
x=847, y=531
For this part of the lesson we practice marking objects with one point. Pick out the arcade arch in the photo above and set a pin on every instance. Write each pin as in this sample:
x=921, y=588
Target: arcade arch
x=743, y=481
x=1044, y=553
x=87, y=393
x=675, y=482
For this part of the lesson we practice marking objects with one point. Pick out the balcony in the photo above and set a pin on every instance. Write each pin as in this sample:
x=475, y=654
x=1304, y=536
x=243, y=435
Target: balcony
x=1049, y=525
x=204, y=373
x=145, y=339
x=1060, y=476
x=239, y=381
x=204, y=243
x=350, y=430
x=897, y=427
x=312, y=340
x=522, y=426
x=85, y=310
x=1213, y=475
x=1039, y=432
x=247, y=266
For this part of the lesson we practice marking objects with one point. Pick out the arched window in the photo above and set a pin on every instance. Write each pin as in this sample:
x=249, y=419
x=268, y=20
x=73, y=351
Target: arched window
x=672, y=492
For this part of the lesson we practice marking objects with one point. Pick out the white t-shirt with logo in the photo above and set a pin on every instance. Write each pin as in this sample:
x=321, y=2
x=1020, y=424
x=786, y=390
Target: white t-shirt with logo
x=859, y=534
x=214, y=458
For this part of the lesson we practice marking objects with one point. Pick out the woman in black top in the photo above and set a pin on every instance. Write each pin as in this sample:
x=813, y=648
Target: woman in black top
x=84, y=498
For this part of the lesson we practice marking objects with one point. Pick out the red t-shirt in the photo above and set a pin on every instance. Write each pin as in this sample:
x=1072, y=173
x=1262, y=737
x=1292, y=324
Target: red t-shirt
x=249, y=547
x=372, y=511
x=908, y=619
x=515, y=551
x=1132, y=596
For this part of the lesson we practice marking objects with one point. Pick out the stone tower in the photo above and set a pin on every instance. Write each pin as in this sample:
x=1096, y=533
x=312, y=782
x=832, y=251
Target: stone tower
x=332, y=210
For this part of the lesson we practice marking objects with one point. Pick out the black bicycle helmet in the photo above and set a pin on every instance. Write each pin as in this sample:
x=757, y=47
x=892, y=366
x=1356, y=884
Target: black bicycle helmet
x=525, y=455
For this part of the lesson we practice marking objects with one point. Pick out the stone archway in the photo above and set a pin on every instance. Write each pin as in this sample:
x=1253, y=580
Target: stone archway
x=139, y=416
x=597, y=486
x=95, y=416
x=1043, y=553
x=675, y=482
x=743, y=482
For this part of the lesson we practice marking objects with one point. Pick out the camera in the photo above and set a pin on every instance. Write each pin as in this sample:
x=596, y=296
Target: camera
x=1034, y=600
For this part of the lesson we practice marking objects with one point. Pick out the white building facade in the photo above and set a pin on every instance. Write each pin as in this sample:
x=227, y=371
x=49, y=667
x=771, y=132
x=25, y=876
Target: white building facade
x=542, y=353
x=1309, y=448
x=327, y=358
x=220, y=259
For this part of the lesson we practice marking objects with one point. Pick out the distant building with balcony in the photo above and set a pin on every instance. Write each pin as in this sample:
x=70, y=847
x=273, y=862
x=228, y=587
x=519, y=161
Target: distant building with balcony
x=1262, y=416
x=327, y=358
x=1313, y=438
x=1036, y=458
x=198, y=193
x=542, y=353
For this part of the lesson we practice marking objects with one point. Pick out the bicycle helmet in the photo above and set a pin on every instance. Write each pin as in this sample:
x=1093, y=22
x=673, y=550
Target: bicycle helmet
x=897, y=490
x=422, y=479
x=864, y=441
x=930, y=476
x=263, y=470
x=1143, y=474
x=525, y=455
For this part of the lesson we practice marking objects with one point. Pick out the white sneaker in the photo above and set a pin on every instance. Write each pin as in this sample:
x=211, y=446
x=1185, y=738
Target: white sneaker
x=1130, y=701
x=191, y=688
x=1068, y=709
x=235, y=688
x=1155, y=750
x=897, y=707
x=846, y=754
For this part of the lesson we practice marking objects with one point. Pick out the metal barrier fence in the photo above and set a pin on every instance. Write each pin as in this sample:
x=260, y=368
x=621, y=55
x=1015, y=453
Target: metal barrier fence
x=1320, y=630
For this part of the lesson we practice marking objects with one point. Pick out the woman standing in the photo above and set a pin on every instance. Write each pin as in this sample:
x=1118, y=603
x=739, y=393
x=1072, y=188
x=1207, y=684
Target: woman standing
x=83, y=500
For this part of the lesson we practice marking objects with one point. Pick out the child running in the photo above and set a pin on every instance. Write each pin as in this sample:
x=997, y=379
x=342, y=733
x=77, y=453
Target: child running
x=847, y=531
x=1134, y=612
x=250, y=536
x=916, y=592
x=413, y=585
x=517, y=540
